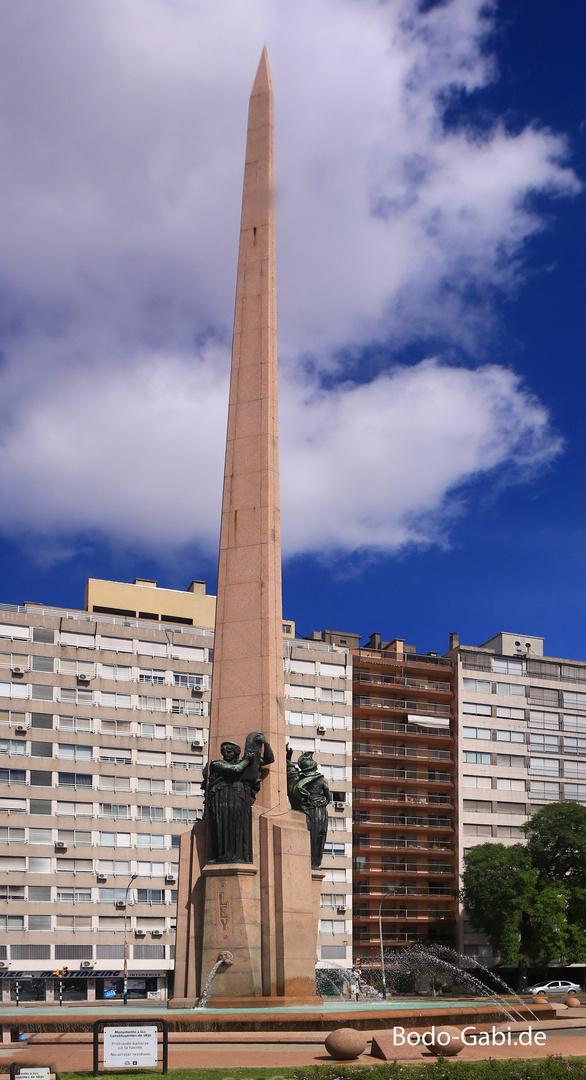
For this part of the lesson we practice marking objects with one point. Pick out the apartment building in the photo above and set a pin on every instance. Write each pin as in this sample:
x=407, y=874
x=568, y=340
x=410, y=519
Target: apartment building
x=403, y=796
x=522, y=728
x=103, y=729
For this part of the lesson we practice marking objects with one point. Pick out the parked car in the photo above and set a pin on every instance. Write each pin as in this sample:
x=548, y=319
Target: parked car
x=557, y=986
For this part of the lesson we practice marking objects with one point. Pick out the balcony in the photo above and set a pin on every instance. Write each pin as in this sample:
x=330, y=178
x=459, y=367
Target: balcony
x=380, y=772
x=381, y=655
x=427, y=799
x=398, y=703
x=402, y=844
x=383, y=725
x=401, y=890
x=390, y=750
x=374, y=679
x=419, y=914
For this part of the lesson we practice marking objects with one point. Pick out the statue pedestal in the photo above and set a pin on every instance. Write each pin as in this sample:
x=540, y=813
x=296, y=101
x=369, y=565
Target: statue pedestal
x=231, y=922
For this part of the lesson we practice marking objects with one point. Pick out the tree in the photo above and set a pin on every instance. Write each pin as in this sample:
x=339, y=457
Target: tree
x=557, y=842
x=523, y=915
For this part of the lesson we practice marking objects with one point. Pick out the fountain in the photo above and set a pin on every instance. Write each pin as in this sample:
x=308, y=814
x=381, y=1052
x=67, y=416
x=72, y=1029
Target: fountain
x=225, y=958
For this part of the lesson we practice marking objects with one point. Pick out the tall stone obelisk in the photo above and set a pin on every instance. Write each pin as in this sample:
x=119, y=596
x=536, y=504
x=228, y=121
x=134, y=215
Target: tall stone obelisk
x=264, y=912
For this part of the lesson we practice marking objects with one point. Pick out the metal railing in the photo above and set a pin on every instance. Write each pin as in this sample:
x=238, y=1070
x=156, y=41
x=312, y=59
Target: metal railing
x=403, y=774
x=401, y=680
x=397, y=703
x=389, y=750
x=403, y=658
x=380, y=724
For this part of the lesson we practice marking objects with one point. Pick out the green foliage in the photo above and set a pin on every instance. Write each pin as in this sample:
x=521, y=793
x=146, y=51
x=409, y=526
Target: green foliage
x=531, y=901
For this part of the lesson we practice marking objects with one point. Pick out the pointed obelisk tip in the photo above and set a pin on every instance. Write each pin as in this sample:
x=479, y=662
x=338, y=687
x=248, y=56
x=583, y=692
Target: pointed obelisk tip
x=262, y=81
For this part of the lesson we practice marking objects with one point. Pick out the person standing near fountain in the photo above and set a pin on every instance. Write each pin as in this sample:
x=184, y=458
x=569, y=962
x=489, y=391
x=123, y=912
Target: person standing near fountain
x=309, y=792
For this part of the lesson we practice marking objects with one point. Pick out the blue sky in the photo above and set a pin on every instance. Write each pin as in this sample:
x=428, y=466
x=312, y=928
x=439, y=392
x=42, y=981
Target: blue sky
x=431, y=280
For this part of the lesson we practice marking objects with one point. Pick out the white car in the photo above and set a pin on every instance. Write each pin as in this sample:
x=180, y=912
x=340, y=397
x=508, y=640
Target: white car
x=558, y=986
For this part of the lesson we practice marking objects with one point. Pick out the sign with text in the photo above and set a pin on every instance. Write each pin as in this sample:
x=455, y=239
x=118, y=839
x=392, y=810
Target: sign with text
x=127, y=1047
x=30, y=1073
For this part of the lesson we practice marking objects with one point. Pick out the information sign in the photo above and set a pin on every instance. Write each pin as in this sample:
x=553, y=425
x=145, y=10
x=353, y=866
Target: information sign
x=128, y=1047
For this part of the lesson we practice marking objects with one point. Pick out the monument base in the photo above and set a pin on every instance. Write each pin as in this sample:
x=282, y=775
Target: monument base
x=273, y=1002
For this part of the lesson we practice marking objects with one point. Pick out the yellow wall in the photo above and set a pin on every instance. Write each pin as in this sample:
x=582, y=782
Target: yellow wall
x=193, y=604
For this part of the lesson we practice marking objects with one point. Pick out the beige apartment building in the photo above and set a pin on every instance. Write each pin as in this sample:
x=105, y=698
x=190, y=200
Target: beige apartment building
x=522, y=742
x=104, y=718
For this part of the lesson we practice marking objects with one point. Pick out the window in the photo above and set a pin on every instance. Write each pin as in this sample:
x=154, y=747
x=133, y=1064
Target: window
x=39, y=893
x=74, y=866
x=305, y=693
x=114, y=810
x=114, y=839
x=156, y=648
x=543, y=789
x=15, y=690
x=335, y=875
x=545, y=766
x=332, y=746
x=41, y=749
x=153, y=677
x=547, y=720
x=39, y=720
x=153, y=813
x=543, y=695
x=333, y=671
x=474, y=707
x=11, y=892
x=333, y=900
x=152, y=704
x=477, y=781
x=74, y=922
x=75, y=696
x=114, y=783
x=510, y=761
x=113, y=866
x=150, y=840
x=510, y=785
x=576, y=770
x=76, y=667
x=184, y=761
x=115, y=701
x=574, y=723
x=187, y=652
x=77, y=809
x=14, y=747
x=183, y=707
x=574, y=746
x=339, y=824
x=332, y=926
x=151, y=787
x=150, y=896
x=116, y=727
x=476, y=733
x=151, y=869
x=180, y=813
x=116, y=671
x=505, y=713
x=301, y=667
x=39, y=866
x=114, y=755
x=510, y=808
x=13, y=806
x=183, y=787
x=42, y=663
x=337, y=696
x=40, y=836
x=15, y=776
x=516, y=689
x=74, y=837
x=74, y=752
x=12, y=922
x=475, y=757
x=151, y=757
x=477, y=830
x=549, y=743
x=73, y=896
x=303, y=745
x=502, y=665
x=332, y=849
x=74, y=723
x=302, y=719
x=189, y=734
x=154, y=731
x=74, y=780
x=117, y=644
x=573, y=700
x=39, y=692
x=77, y=641
x=111, y=922
x=480, y=806
x=18, y=633
x=481, y=686
x=510, y=736
x=514, y=832
x=333, y=772
x=575, y=792
x=12, y=863
x=9, y=835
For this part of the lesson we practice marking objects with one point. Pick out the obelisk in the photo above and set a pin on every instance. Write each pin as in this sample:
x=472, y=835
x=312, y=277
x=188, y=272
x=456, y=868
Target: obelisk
x=261, y=914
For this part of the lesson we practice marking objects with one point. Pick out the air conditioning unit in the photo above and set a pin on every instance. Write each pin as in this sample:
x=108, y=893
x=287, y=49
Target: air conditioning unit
x=84, y=678
x=156, y=933
x=87, y=964
x=197, y=745
x=60, y=846
x=18, y=670
x=120, y=905
x=341, y=910
x=169, y=879
x=20, y=730
x=339, y=806
x=321, y=730
x=139, y=933
x=197, y=690
x=3, y=964
x=101, y=878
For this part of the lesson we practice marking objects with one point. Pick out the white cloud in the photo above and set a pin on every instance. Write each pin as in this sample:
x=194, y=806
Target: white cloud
x=123, y=133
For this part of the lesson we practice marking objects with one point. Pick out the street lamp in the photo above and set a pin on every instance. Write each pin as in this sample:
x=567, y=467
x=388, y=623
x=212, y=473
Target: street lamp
x=380, y=934
x=125, y=939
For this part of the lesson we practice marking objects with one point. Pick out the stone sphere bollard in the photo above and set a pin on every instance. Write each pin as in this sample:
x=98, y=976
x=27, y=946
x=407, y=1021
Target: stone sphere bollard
x=345, y=1044
x=573, y=1002
x=446, y=1042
